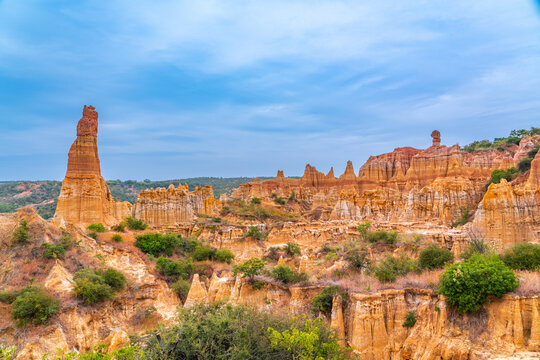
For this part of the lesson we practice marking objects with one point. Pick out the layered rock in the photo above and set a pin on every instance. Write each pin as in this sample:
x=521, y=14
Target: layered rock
x=175, y=205
x=85, y=197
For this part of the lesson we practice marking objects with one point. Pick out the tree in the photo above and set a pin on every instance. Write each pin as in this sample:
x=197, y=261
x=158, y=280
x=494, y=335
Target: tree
x=250, y=268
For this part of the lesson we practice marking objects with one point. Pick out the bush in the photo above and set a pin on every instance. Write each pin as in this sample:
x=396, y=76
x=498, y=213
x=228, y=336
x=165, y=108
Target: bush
x=434, y=257
x=94, y=286
x=21, y=233
x=384, y=237
x=135, y=224
x=33, y=305
x=229, y=332
x=167, y=267
x=323, y=301
x=465, y=217
x=287, y=275
x=280, y=200
x=8, y=297
x=255, y=232
x=391, y=267
x=53, y=251
x=99, y=227
x=477, y=245
x=93, y=235
x=357, y=260
x=363, y=229
x=224, y=255
x=156, y=244
x=7, y=352
x=250, y=268
x=410, y=319
x=467, y=284
x=499, y=174
x=523, y=257
x=117, y=238
x=292, y=249
x=181, y=288
x=525, y=164
x=255, y=201
x=119, y=228
x=203, y=252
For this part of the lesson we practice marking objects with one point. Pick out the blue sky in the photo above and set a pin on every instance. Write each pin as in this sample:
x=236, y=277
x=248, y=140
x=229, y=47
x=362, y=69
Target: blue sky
x=243, y=88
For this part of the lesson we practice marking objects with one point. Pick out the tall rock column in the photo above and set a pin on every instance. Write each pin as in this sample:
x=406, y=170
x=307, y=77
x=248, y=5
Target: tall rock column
x=85, y=197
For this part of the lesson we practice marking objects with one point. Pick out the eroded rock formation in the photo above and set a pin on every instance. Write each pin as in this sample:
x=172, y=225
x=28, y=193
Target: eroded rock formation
x=85, y=197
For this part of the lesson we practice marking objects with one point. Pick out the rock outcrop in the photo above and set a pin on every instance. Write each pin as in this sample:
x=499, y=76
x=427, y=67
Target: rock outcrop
x=85, y=197
x=175, y=205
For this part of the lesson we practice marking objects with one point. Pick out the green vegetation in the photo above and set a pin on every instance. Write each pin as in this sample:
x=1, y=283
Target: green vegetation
x=255, y=232
x=223, y=255
x=7, y=352
x=94, y=286
x=292, y=249
x=388, y=269
x=94, y=235
x=135, y=224
x=434, y=257
x=42, y=195
x=53, y=251
x=303, y=341
x=381, y=236
x=254, y=211
x=508, y=174
x=181, y=288
x=410, y=319
x=323, y=301
x=30, y=305
x=501, y=143
x=467, y=284
x=249, y=268
x=156, y=244
x=477, y=245
x=523, y=257
x=21, y=233
x=119, y=228
x=357, y=259
x=183, y=268
x=465, y=217
x=99, y=227
x=525, y=164
x=117, y=238
x=255, y=201
x=287, y=275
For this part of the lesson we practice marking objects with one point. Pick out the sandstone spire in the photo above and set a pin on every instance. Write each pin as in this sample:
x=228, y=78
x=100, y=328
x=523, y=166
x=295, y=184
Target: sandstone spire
x=85, y=197
x=436, y=135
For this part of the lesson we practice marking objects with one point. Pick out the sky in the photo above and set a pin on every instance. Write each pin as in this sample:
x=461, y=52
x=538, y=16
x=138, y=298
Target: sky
x=243, y=88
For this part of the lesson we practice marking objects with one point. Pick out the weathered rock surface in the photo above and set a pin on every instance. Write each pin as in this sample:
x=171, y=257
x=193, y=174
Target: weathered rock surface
x=85, y=197
x=175, y=205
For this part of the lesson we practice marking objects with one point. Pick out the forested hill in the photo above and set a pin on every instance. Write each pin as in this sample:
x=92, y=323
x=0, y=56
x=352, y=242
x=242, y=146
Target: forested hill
x=43, y=195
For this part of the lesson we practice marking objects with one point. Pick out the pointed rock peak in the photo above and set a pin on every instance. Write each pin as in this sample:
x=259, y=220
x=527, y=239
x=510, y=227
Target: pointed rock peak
x=88, y=124
x=330, y=174
x=280, y=174
x=436, y=135
x=349, y=168
x=171, y=187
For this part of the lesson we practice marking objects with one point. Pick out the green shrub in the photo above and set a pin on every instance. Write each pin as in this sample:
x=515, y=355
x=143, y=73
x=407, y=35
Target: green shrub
x=255, y=201
x=363, y=229
x=93, y=235
x=135, y=224
x=187, y=246
x=119, y=228
x=224, y=255
x=287, y=275
x=203, y=252
x=410, y=319
x=249, y=268
x=117, y=238
x=381, y=236
x=523, y=257
x=465, y=217
x=499, y=174
x=98, y=227
x=534, y=151
x=21, y=233
x=434, y=257
x=391, y=267
x=33, y=305
x=357, y=260
x=292, y=249
x=181, y=288
x=94, y=286
x=280, y=200
x=7, y=352
x=183, y=269
x=467, y=284
x=7, y=297
x=222, y=332
x=53, y=251
x=323, y=301
x=255, y=232
x=525, y=164
x=156, y=244
x=477, y=245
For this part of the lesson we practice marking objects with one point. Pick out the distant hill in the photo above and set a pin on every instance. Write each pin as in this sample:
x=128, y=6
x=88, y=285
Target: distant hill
x=43, y=195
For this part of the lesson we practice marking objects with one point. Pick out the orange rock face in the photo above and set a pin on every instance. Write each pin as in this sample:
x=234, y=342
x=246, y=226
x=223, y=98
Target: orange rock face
x=175, y=205
x=85, y=197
